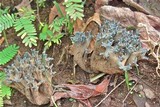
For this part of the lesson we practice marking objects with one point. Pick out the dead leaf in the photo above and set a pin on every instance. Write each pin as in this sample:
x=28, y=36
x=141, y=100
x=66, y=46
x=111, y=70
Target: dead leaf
x=150, y=7
x=100, y=3
x=1, y=40
x=95, y=18
x=54, y=12
x=83, y=92
x=78, y=26
x=57, y=96
x=86, y=103
x=136, y=5
x=24, y=3
x=1, y=69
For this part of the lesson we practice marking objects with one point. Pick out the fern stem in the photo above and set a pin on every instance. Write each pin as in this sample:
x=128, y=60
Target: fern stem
x=5, y=38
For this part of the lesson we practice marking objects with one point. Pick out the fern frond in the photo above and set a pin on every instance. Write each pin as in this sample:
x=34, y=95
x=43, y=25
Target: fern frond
x=1, y=97
x=74, y=9
x=27, y=31
x=6, y=21
x=27, y=13
x=57, y=24
x=5, y=91
x=8, y=53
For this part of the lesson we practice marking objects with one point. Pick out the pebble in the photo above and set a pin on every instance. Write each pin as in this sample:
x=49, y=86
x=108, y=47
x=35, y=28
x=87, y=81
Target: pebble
x=149, y=94
x=147, y=105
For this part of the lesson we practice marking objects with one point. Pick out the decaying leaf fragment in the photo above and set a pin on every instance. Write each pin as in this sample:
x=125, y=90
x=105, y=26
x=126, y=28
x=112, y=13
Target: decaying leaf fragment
x=24, y=3
x=82, y=92
x=55, y=13
x=146, y=6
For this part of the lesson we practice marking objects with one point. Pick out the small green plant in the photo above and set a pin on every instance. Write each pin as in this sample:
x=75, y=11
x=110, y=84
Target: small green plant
x=3, y=11
x=48, y=34
x=8, y=53
x=41, y=3
x=52, y=33
x=5, y=91
x=6, y=21
x=23, y=25
x=5, y=56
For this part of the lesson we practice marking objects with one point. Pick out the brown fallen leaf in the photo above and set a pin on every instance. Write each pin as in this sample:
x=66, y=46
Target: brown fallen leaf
x=54, y=12
x=100, y=3
x=83, y=92
x=1, y=40
x=150, y=6
x=95, y=18
x=136, y=5
x=78, y=26
x=24, y=3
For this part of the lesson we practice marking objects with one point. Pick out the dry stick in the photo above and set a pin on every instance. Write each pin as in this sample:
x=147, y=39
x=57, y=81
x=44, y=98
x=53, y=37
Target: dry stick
x=53, y=101
x=129, y=93
x=97, y=77
x=110, y=93
x=61, y=57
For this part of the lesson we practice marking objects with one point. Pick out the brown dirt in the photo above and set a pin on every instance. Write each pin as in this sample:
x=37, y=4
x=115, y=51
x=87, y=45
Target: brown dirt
x=65, y=71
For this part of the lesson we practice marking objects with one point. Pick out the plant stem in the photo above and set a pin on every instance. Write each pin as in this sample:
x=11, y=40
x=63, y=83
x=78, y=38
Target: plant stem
x=137, y=69
x=5, y=38
x=127, y=79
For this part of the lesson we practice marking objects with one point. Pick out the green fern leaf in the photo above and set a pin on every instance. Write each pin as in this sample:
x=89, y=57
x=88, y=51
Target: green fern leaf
x=1, y=97
x=8, y=53
x=30, y=40
x=27, y=31
x=5, y=91
x=74, y=9
x=57, y=24
x=46, y=33
x=6, y=21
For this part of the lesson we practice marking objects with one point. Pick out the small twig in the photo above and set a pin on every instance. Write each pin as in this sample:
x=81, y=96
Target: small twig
x=129, y=92
x=97, y=77
x=61, y=57
x=152, y=44
x=158, y=60
x=110, y=93
x=53, y=101
x=74, y=68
